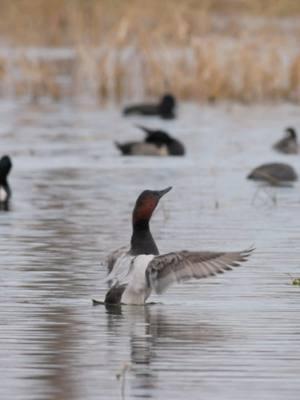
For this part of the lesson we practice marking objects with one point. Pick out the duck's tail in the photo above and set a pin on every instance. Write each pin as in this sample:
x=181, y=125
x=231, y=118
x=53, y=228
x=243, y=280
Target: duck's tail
x=124, y=148
x=118, y=145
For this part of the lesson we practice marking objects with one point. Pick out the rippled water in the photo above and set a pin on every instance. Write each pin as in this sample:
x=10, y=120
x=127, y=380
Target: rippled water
x=231, y=337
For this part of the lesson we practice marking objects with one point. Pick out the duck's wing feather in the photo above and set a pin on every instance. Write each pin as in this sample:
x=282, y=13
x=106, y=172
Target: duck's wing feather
x=164, y=270
x=114, y=256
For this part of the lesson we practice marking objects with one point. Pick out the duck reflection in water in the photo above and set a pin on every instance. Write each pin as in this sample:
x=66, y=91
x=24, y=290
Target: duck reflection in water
x=152, y=335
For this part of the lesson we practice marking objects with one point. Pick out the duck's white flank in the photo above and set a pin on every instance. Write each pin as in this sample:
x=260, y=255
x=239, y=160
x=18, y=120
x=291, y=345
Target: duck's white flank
x=3, y=194
x=131, y=271
x=137, y=290
x=120, y=270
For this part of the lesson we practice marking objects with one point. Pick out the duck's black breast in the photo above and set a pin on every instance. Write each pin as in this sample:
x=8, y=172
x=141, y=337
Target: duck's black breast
x=167, y=106
x=176, y=148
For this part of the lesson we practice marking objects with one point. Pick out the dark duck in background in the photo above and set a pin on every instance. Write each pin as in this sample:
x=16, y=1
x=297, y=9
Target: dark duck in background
x=156, y=143
x=289, y=143
x=164, y=109
x=274, y=173
x=159, y=138
x=5, y=191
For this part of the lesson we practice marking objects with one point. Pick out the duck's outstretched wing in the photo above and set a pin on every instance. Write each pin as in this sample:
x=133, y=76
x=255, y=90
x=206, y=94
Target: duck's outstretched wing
x=166, y=269
x=113, y=257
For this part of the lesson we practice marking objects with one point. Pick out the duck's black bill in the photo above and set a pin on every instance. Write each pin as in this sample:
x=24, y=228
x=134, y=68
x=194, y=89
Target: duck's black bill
x=161, y=193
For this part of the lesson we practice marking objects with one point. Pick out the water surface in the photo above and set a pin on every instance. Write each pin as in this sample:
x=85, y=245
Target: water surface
x=231, y=337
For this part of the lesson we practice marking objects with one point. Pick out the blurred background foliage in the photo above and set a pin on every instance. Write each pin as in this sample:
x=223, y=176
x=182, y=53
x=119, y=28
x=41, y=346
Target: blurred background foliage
x=207, y=50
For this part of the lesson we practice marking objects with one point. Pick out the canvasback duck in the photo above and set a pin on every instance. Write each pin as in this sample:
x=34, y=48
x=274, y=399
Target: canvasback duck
x=134, y=273
x=164, y=109
x=274, y=173
x=5, y=192
x=288, y=144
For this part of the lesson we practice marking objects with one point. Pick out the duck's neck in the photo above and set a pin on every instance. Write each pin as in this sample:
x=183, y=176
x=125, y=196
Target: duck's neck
x=3, y=180
x=4, y=185
x=142, y=241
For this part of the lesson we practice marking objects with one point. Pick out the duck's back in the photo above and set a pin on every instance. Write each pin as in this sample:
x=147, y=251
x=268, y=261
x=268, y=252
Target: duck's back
x=286, y=146
x=278, y=171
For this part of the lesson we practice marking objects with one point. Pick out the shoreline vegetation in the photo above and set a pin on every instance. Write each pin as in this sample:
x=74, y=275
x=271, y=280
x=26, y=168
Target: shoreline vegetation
x=117, y=50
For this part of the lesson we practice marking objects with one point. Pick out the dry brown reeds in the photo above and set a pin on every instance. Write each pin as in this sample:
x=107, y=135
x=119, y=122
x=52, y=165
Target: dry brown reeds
x=245, y=50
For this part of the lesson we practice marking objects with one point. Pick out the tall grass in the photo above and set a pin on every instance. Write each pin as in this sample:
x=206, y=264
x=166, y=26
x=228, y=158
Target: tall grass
x=246, y=50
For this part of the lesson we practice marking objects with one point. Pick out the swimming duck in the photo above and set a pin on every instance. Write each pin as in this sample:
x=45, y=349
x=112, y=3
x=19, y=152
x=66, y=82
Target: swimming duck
x=165, y=108
x=158, y=137
x=134, y=273
x=274, y=173
x=5, y=192
x=288, y=144
x=157, y=143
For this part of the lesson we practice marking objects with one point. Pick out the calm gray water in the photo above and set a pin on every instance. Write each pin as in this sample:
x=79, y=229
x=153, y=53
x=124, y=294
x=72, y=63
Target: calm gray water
x=231, y=337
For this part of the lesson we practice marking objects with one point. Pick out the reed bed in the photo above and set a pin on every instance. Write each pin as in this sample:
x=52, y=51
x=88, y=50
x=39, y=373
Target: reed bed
x=206, y=50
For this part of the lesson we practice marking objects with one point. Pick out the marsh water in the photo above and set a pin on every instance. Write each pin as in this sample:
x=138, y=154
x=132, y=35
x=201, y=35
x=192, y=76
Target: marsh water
x=234, y=337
